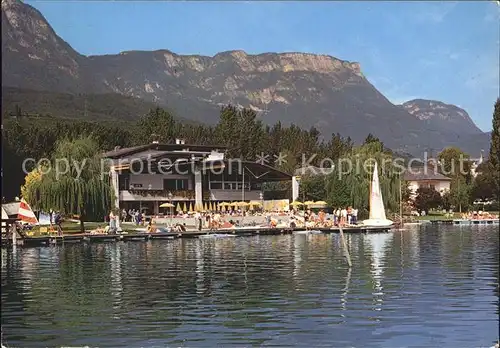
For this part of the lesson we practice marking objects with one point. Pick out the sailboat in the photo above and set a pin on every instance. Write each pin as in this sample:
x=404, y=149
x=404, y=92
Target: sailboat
x=25, y=214
x=377, y=211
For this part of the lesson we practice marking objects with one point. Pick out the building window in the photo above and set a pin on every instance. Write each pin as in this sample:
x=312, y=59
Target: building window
x=124, y=182
x=229, y=186
x=169, y=184
x=182, y=184
x=216, y=186
x=175, y=184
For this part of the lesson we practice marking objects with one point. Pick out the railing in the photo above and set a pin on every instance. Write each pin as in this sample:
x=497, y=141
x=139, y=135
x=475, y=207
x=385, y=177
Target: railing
x=138, y=194
x=188, y=194
x=231, y=195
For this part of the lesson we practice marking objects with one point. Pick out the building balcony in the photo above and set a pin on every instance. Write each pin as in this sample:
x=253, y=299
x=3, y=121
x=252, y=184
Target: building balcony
x=157, y=195
x=234, y=195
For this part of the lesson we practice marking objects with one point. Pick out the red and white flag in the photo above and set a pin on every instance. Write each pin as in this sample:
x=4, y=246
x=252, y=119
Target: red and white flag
x=25, y=214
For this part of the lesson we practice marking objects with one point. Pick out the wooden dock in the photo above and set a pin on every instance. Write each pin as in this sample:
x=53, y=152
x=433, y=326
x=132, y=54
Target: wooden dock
x=48, y=240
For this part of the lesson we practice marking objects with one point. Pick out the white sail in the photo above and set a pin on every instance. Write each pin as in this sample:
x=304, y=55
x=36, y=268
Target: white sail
x=377, y=210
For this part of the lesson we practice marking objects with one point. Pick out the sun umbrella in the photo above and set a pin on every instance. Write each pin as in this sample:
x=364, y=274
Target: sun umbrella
x=224, y=206
x=205, y=207
x=167, y=205
x=190, y=207
x=178, y=208
x=320, y=203
x=296, y=203
x=308, y=203
x=184, y=209
x=242, y=204
x=254, y=204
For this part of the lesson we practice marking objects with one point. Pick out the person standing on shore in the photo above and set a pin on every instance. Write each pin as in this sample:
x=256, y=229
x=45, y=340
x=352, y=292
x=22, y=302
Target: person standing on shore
x=199, y=220
x=343, y=217
x=112, y=222
x=354, y=216
x=57, y=221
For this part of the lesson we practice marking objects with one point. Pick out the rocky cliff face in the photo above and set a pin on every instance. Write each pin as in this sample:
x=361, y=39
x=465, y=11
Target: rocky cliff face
x=33, y=55
x=442, y=116
x=305, y=89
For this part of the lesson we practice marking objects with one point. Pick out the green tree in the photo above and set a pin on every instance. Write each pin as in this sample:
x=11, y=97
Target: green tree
x=460, y=193
x=483, y=187
x=494, y=157
x=312, y=188
x=349, y=183
x=427, y=198
x=339, y=193
x=76, y=183
x=454, y=162
x=157, y=125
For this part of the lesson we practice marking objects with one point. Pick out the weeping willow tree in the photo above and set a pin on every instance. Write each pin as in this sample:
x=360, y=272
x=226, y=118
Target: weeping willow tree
x=76, y=182
x=349, y=183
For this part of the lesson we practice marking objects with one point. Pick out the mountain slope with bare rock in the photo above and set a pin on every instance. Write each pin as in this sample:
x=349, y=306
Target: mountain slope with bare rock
x=442, y=116
x=305, y=89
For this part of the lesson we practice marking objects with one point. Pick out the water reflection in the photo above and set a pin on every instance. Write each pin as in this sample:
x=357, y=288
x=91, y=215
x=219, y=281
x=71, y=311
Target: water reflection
x=416, y=287
x=378, y=244
x=116, y=278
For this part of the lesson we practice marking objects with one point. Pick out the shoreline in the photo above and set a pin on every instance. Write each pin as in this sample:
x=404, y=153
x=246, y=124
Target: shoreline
x=145, y=236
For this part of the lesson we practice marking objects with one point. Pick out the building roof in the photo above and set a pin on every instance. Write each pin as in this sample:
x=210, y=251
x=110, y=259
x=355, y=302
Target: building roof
x=11, y=208
x=158, y=156
x=424, y=174
x=136, y=151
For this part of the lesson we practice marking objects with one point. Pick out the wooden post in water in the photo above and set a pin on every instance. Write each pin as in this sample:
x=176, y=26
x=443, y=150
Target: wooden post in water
x=344, y=246
x=13, y=232
x=400, y=202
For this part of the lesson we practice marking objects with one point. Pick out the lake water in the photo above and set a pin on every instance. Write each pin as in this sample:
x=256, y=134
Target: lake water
x=421, y=287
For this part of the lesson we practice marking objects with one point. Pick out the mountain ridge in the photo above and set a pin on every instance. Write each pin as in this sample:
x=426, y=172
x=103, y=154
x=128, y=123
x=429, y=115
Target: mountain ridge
x=441, y=114
x=307, y=89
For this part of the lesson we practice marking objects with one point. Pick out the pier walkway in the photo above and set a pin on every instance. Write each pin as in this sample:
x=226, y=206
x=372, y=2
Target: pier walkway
x=144, y=236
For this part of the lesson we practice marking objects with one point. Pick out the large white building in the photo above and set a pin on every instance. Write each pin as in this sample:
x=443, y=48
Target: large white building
x=426, y=176
x=146, y=176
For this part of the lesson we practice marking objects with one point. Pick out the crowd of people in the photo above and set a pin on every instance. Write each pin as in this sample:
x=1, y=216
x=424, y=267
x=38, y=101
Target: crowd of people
x=479, y=215
x=214, y=220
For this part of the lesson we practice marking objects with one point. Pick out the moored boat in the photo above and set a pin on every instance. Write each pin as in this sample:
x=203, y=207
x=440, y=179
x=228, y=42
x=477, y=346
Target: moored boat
x=377, y=216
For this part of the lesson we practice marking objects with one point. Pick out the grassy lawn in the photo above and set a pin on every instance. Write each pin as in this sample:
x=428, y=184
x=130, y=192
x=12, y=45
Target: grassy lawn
x=69, y=227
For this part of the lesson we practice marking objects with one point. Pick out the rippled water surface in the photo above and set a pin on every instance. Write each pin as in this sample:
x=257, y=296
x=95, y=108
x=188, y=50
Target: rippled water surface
x=421, y=287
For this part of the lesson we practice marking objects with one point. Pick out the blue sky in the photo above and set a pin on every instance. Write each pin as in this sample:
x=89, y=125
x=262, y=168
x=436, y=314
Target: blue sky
x=447, y=51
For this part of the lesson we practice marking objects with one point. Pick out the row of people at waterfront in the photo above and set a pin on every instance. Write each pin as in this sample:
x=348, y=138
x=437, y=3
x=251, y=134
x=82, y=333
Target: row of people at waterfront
x=342, y=217
x=478, y=215
x=218, y=219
